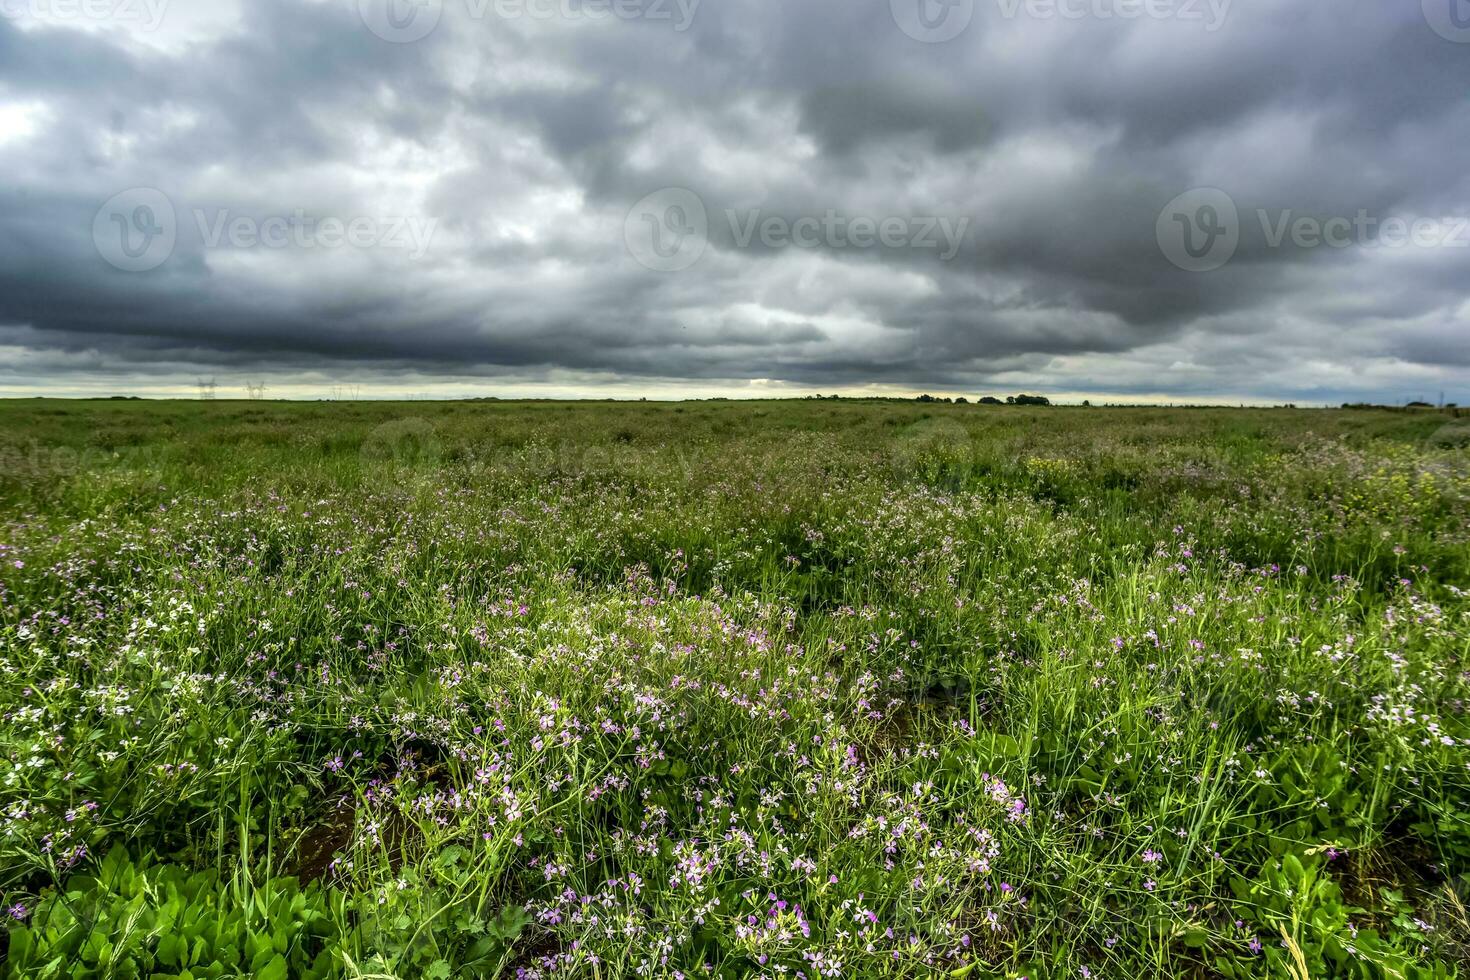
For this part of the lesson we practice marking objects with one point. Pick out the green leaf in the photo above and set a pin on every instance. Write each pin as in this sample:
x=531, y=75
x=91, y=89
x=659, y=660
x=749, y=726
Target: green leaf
x=274, y=970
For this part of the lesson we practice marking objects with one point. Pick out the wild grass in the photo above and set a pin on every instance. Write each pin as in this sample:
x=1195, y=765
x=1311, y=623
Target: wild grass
x=777, y=689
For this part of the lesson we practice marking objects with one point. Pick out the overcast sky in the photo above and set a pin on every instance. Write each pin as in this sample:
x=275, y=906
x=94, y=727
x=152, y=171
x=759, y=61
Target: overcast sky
x=1263, y=200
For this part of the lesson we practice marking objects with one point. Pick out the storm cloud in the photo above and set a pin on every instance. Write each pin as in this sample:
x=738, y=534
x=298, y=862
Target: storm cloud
x=1257, y=199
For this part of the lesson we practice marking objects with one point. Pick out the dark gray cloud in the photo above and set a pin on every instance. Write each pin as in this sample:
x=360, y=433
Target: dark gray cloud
x=467, y=205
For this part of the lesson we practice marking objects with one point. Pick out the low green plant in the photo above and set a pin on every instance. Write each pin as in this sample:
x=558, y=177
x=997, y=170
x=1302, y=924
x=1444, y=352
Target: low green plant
x=130, y=920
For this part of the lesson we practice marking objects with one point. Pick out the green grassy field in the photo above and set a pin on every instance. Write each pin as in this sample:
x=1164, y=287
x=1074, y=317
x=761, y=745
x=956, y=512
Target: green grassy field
x=782, y=689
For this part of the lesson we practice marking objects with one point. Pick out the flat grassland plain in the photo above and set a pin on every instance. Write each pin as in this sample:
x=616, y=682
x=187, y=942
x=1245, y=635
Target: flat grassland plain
x=781, y=689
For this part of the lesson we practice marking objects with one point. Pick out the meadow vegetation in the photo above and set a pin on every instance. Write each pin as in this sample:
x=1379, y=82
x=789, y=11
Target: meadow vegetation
x=773, y=689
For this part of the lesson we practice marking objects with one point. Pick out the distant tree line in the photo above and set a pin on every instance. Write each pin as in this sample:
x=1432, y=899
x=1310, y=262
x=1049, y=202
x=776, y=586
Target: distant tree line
x=988, y=400
x=1410, y=406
